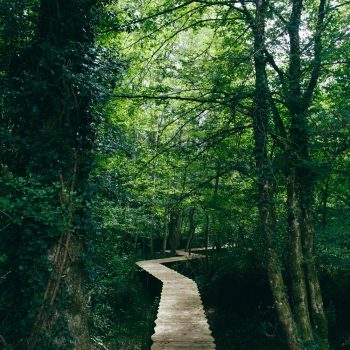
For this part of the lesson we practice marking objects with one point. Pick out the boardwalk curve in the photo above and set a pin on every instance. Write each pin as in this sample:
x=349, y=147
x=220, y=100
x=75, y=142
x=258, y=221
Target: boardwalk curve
x=181, y=322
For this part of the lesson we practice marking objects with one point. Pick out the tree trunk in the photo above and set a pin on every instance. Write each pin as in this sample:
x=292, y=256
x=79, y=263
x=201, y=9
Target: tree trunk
x=173, y=230
x=324, y=203
x=151, y=244
x=265, y=179
x=300, y=182
x=179, y=228
x=64, y=125
x=166, y=233
x=165, y=238
x=206, y=232
x=275, y=277
x=307, y=296
x=192, y=229
x=217, y=240
x=76, y=313
x=296, y=261
x=318, y=315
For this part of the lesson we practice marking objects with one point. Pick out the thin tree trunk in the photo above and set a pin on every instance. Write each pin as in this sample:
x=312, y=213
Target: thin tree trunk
x=324, y=203
x=166, y=233
x=217, y=240
x=206, y=236
x=191, y=230
x=206, y=232
x=173, y=223
x=179, y=224
x=151, y=243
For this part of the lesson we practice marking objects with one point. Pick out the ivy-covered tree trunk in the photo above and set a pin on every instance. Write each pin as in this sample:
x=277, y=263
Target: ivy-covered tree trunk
x=304, y=279
x=296, y=256
x=296, y=261
x=318, y=314
x=59, y=29
x=265, y=180
x=307, y=296
x=49, y=108
x=300, y=182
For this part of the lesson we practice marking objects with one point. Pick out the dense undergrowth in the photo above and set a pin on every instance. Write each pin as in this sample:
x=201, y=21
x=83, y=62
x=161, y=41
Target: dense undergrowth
x=239, y=306
x=122, y=318
x=123, y=301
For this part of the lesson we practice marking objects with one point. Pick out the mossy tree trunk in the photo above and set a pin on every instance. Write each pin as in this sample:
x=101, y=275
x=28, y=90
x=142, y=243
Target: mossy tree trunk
x=261, y=125
x=300, y=181
x=307, y=323
x=61, y=128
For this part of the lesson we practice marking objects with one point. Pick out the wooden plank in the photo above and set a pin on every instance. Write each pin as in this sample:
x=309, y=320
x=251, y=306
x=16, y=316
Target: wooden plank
x=181, y=322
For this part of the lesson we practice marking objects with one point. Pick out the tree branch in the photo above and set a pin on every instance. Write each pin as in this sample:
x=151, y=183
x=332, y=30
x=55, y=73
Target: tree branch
x=280, y=17
x=279, y=71
x=170, y=97
x=166, y=11
x=316, y=64
x=143, y=19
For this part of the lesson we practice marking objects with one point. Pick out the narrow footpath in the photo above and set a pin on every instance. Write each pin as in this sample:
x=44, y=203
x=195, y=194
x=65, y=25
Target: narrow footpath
x=181, y=322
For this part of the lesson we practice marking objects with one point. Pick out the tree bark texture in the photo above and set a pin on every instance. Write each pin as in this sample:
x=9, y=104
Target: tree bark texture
x=306, y=289
x=64, y=115
x=265, y=180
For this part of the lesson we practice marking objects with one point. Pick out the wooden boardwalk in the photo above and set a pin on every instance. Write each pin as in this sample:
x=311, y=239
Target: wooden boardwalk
x=181, y=322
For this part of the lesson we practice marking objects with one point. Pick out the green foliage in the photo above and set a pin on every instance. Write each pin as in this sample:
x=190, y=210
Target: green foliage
x=32, y=220
x=54, y=81
x=146, y=110
x=187, y=128
x=121, y=310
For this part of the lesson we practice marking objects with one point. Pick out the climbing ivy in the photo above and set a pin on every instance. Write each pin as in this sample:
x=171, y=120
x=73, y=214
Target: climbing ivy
x=55, y=81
